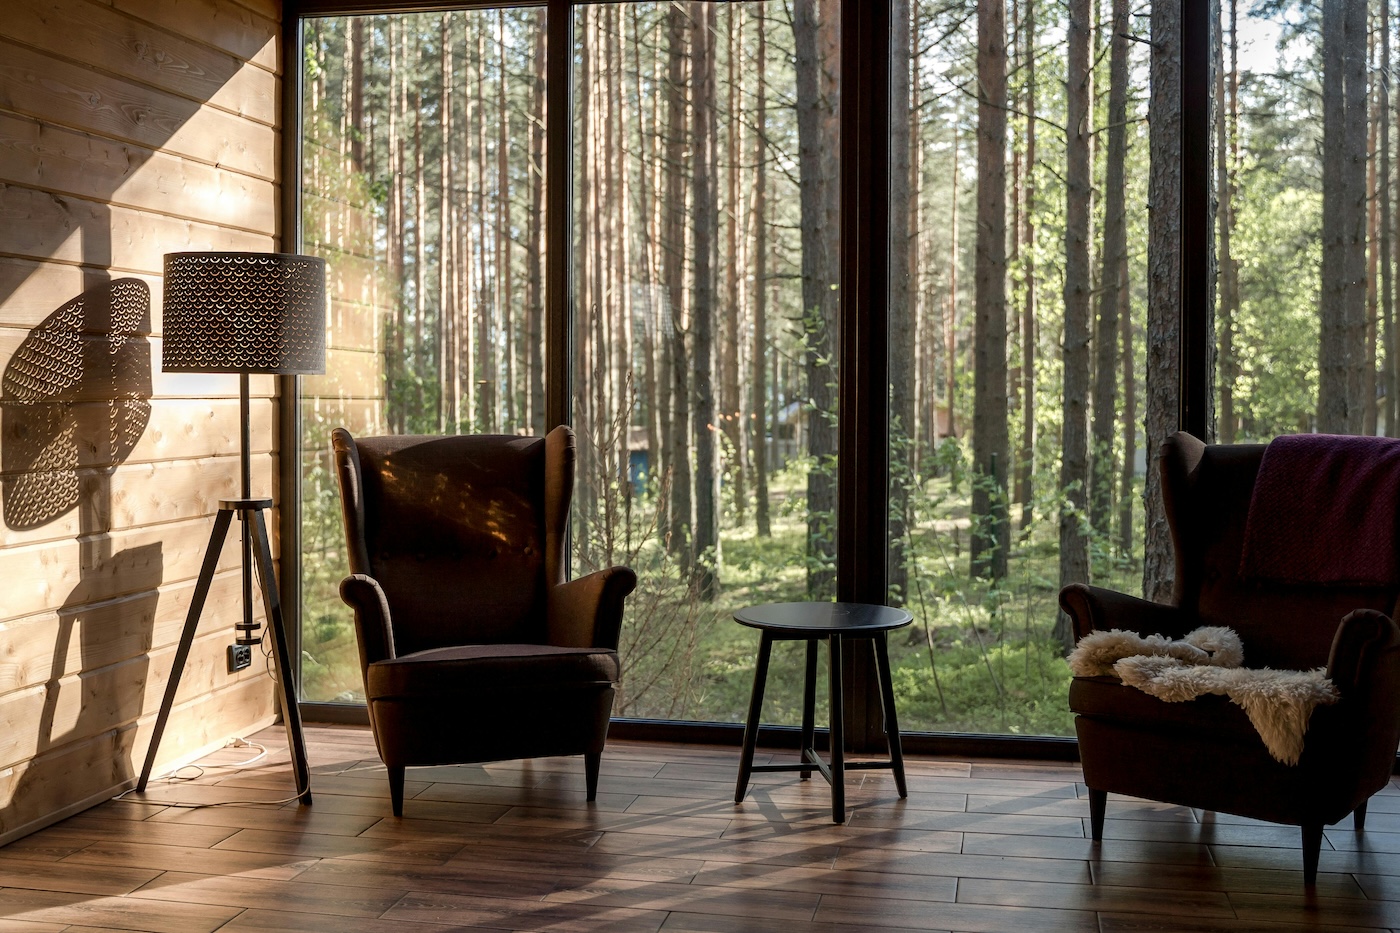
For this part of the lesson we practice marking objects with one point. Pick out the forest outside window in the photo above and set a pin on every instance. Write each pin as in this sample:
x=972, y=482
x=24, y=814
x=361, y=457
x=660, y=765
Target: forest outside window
x=702, y=234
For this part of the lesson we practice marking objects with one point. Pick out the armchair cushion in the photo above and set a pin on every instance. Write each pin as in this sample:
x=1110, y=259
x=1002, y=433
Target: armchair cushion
x=1109, y=699
x=472, y=669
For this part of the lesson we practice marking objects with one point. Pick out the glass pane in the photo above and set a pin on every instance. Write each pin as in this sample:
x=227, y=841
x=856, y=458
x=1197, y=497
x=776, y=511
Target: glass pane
x=706, y=240
x=1305, y=294
x=423, y=180
x=1018, y=307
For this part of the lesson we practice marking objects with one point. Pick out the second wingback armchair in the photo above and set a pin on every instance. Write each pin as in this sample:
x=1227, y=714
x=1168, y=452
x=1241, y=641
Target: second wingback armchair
x=473, y=646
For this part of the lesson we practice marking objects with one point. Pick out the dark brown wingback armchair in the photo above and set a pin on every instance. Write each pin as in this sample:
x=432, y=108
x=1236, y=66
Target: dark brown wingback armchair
x=472, y=645
x=1204, y=753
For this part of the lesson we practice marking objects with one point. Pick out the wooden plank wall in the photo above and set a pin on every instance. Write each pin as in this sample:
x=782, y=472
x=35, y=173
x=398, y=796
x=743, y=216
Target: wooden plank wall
x=128, y=129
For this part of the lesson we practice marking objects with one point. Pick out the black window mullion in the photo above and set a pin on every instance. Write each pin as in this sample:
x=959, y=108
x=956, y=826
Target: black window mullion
x=1197, y=237
x=559, y=186
x=862, y=461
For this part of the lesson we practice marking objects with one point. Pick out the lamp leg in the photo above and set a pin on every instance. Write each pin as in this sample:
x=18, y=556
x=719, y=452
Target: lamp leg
x=201, y=591
x=291, y=713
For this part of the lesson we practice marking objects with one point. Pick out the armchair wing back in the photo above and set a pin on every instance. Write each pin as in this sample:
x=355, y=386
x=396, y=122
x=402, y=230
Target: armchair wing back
x=1205, y=753
x=1207, y=491
x=472, y=645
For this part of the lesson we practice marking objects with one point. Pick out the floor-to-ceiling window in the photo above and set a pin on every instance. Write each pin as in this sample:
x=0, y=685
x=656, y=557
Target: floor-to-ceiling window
x=693, y=250
x=706, y=239
x=1305, y=237
x=423, y=187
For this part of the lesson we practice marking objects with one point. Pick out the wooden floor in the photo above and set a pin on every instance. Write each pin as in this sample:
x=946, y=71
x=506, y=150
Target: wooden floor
x=978, y=846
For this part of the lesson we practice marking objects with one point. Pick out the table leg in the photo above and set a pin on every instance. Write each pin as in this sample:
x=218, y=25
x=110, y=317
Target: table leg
x=882, y=666
x=760, y=676
x=809, y=707
x=838, y=736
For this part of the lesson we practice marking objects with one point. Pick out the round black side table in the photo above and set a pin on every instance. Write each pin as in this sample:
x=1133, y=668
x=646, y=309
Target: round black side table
x=836, y=623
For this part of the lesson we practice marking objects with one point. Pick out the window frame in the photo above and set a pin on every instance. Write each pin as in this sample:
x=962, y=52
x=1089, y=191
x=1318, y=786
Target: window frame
x=863, y=393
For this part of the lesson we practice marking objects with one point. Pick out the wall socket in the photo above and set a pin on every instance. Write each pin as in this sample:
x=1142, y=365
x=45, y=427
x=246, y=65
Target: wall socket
x=239, y=657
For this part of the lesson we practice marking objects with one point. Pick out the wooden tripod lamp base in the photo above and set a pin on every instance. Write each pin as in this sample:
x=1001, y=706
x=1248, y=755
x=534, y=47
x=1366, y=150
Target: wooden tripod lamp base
x=250, y=512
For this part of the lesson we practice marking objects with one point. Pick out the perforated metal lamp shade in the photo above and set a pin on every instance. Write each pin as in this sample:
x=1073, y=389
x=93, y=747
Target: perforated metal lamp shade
x=244, y=313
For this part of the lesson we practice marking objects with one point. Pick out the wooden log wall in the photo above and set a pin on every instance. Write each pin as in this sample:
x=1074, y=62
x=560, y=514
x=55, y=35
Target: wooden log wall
x=128, y=129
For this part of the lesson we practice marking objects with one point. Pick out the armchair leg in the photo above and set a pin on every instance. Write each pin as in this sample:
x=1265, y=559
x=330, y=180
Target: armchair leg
x=1312, y=848
x=1098, y=804
x=591, y=763
x=1358, y=816
x=396, y=787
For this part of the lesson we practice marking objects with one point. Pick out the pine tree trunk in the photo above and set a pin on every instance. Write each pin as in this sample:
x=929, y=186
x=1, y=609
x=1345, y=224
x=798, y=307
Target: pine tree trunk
x=1115, y=251
x=901, y=311
x=1368, y=375
x=991, y=532
x=950, y=317
x=1074, y=465
x=816, y=45
x=682, y=518
x=759, y=357
x=1128, y=422
x=504, y=295
x=1163, y=287
x=534, y=320
x=730, y=414
x=1341, y=348
x=447, y=375
x=1025, y=462
x=703, y=320
x=1388, y=385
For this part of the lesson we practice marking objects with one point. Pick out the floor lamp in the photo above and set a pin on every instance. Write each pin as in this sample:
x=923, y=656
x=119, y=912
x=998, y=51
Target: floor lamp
x=243, y=313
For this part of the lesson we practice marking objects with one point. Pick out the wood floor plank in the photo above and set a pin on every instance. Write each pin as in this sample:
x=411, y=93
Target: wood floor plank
x=602, y=821
x=1217, y=878
x=1142, y=923
x=720, y=850
x=98, y=830
x=453, y=877
x=296, y=845
x=187, y=858
x=857, y=835
x=503, y=914
x=104, y=878
x=769, y=903
x=278, y=921
x=1291, y=858
x=1110, y=850
x=966, y=918
x=579, y=863
x=310, y=820
x=1206, y=833
x=496, y=795
x=122, y=913
x=221, y=890
x=10, y=925
x=965, y=866
x=1339, y=911
x=828, y=881
x=1095, y=897
x=682, y=922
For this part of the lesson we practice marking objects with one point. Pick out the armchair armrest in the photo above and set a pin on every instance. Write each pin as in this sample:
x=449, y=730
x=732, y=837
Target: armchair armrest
x=363, y=593
x=1365, y=651
x=1093, y=608
x=587, y=612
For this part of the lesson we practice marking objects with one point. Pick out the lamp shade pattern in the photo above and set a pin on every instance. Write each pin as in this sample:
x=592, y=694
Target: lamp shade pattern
x=244, y=313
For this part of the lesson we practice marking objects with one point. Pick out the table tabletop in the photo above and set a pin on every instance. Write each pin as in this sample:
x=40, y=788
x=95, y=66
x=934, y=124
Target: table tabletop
x=823, y=619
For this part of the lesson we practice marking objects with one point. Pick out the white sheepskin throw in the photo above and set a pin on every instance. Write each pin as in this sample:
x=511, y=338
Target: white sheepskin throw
x=1279, y=704
x=1097, y=652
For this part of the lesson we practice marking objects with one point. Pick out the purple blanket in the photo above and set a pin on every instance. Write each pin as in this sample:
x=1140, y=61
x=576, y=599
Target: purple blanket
x=1325, y=510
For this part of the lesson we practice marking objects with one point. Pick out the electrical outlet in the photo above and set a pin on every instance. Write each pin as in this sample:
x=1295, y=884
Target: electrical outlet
x=239, y=657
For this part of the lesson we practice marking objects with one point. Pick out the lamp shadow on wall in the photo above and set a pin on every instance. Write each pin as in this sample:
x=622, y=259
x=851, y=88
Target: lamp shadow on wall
x=74, y=403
